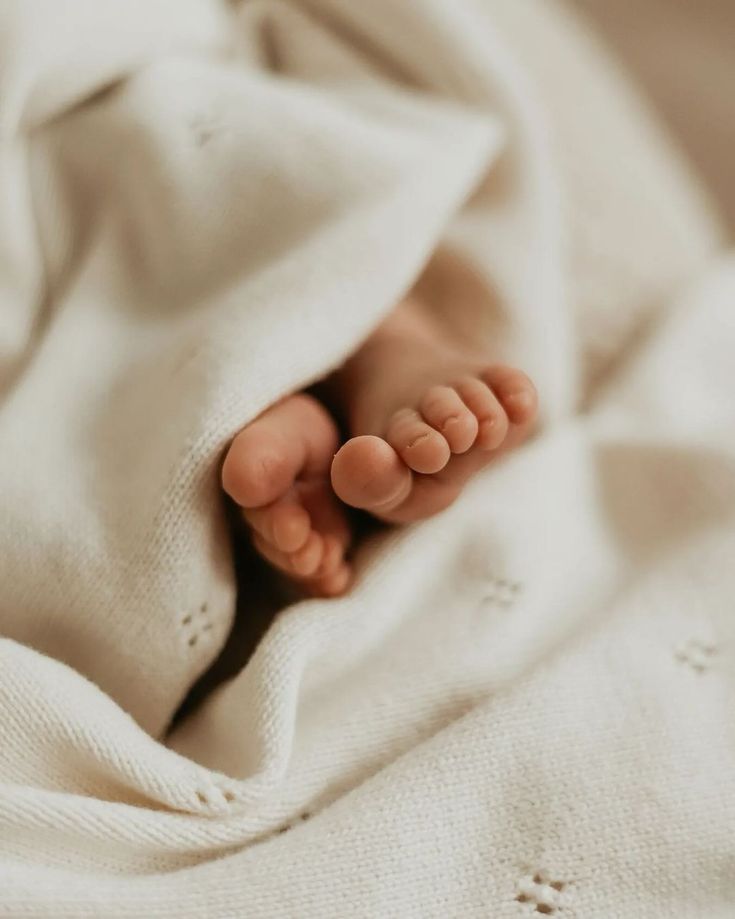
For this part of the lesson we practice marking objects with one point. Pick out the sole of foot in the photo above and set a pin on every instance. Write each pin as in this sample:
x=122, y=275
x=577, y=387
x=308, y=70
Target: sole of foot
x=277, y=471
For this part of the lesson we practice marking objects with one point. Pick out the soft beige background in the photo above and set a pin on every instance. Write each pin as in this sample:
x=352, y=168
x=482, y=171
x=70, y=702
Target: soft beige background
x=683, y=53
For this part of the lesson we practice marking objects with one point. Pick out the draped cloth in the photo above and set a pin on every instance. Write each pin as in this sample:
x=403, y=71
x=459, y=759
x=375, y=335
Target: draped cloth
x=524, y=705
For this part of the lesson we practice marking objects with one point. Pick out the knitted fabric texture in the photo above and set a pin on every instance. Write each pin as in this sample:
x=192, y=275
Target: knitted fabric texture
x=523, y=707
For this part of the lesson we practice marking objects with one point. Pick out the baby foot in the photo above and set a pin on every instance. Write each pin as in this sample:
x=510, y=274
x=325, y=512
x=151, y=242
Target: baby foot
x=425, y=418
x=277, y=471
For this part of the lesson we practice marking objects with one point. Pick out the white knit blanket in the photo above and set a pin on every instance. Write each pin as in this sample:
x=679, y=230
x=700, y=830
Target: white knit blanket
x=524, y=706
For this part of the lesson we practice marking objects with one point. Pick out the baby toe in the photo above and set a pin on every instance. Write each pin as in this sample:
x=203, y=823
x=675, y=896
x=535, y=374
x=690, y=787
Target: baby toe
x=334, y=584
x=515, y=392
x=445, y=411
x=421, y=448
x=491, y=417
x=306, y=561
x=332, y=557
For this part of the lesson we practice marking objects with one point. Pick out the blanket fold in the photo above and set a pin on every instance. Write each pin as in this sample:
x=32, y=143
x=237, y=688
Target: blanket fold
x=522, y=704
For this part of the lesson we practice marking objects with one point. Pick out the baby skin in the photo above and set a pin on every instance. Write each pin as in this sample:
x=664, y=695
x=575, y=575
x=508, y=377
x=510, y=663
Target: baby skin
x=424, y=416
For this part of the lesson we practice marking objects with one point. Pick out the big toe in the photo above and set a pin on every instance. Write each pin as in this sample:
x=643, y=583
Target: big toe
x=294, y=438
x=258, y=467
x=368, y=473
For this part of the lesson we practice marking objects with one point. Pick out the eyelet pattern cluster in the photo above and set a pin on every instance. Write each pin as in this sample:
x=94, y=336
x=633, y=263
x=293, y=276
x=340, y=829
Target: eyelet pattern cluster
x=698, y=655
x=501, y=592
x=197, y=626
x=216, y=797
x=541, y=893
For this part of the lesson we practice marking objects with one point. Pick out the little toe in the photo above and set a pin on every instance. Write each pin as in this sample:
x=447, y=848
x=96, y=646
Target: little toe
x=334, y=584
x=421, y=448
x=332, y=557
x=306, y=561
x=368, y=473
x=445, y=411
x=515, y=392
x=490, y=414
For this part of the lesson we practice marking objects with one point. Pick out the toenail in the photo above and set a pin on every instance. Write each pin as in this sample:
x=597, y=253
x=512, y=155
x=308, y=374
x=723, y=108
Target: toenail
x=487, y=429
x=417, y=440
x=522, y=398
x=453, y=419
